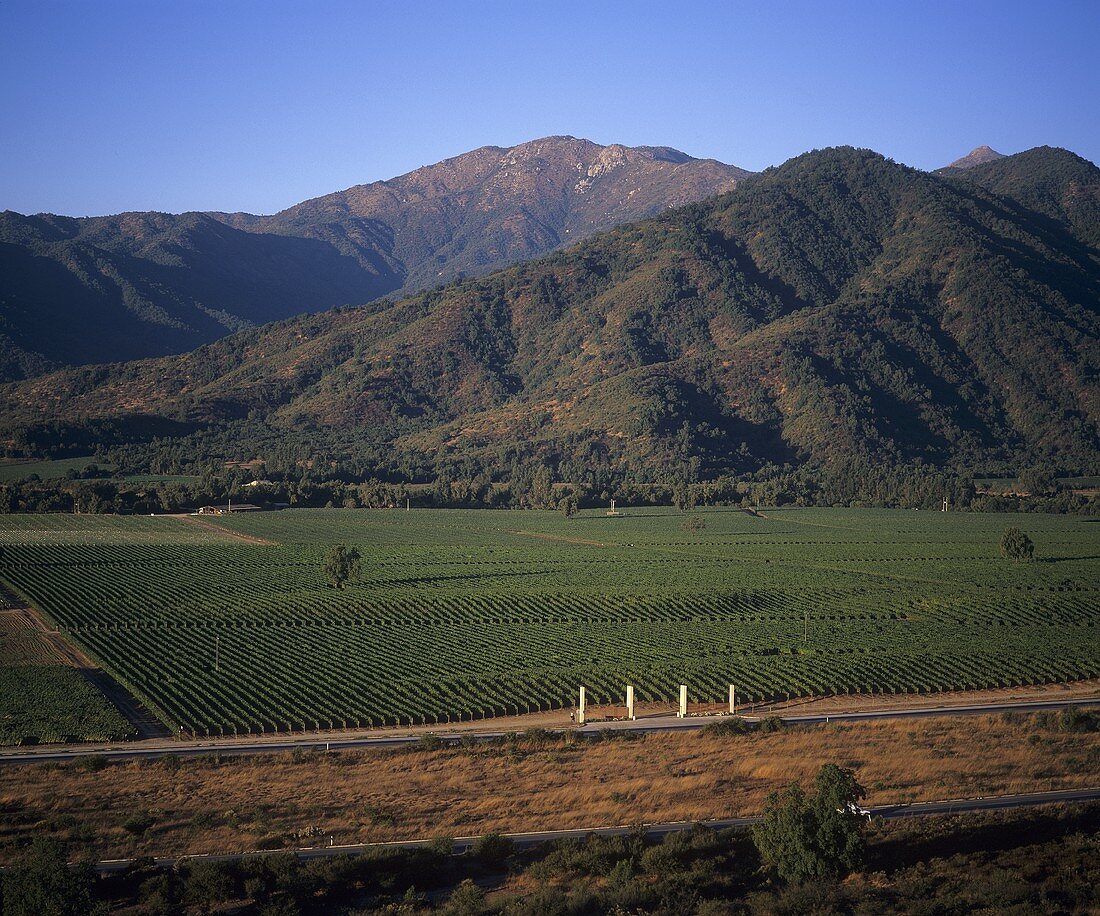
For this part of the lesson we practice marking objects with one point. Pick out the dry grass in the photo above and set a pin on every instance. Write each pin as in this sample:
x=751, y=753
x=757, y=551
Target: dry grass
x=237, y=803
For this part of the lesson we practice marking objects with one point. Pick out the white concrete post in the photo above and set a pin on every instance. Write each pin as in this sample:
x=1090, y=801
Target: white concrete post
x=683, y=701
x=630, y=701
x=580, y=709
x=733, y=699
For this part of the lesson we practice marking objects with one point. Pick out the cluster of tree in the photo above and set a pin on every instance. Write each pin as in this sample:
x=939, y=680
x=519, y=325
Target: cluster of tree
x=524, y=484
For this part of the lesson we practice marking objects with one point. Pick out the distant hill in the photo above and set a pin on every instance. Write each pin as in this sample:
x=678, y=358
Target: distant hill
x=978, y=156
x=839, y=306
x=135, y=285
x=1048, y=181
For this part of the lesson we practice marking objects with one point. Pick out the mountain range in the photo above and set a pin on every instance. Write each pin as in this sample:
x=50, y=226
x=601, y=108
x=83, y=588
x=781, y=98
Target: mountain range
x=840, y=305
x=100, y=289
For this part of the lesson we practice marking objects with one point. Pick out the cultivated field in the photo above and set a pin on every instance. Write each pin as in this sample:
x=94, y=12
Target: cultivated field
x=42, y=696
x=231, y=627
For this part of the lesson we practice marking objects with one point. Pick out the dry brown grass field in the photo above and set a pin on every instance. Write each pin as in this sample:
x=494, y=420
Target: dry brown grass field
x=238, y=803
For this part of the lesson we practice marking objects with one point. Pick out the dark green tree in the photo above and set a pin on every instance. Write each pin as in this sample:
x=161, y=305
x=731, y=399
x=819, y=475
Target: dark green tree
x=1038, y=482
x=44, y=885
x=342, y=565
x=820, y=836
x=1016, y=546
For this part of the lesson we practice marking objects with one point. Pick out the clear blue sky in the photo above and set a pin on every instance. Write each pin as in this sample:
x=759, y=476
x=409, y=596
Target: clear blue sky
x=109, y=105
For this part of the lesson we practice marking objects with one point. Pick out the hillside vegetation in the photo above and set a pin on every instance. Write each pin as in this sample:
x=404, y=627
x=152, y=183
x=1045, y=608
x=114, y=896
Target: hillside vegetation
x=135, y=285
x=840, y=307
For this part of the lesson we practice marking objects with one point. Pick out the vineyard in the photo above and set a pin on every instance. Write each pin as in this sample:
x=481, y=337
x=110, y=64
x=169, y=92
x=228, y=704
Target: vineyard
x=232, y=628
x=41, y=697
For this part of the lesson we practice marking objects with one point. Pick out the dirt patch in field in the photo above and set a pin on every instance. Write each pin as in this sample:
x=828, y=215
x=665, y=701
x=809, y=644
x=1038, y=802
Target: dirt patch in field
x=542, y=536
x=232, y=535
x=33, y=634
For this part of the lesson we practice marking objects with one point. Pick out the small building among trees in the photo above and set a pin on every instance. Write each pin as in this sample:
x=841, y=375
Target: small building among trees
x=228, y=509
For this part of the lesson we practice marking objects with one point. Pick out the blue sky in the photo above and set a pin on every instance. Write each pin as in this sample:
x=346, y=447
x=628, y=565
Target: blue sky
x=113, y=105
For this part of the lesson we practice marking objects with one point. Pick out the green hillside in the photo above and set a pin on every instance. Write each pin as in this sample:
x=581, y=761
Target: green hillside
x=135, y=285
x=839, y=307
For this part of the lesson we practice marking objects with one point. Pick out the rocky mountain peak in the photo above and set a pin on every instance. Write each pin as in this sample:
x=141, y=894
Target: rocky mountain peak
x=976, y=156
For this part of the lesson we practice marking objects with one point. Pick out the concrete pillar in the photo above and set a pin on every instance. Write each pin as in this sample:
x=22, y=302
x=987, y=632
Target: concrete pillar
x=630, y=702
x=733, y=699
x=683, y=701
x=580, y=709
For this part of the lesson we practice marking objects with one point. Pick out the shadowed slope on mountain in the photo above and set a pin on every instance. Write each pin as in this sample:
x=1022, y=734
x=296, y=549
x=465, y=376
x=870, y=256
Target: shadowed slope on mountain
x=121, y=287
x=840, y=305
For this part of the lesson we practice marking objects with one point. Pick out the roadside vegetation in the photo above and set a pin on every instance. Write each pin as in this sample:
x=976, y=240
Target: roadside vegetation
x=1032, y=860
x=537, y=780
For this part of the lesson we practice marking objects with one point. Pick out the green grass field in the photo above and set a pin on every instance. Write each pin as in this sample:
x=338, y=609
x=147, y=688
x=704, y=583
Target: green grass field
x=463, y=614
x=46, y=470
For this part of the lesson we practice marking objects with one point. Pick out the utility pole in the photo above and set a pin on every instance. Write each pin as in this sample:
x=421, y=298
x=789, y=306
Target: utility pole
x=733, y=700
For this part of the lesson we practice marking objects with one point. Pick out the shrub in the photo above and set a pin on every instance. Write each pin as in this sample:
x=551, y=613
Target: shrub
x=429, y=742
x=725, y=727
x=138, y=824
x=1075, y=719
x=93, y=764
x=493, y=849
x=441, y=846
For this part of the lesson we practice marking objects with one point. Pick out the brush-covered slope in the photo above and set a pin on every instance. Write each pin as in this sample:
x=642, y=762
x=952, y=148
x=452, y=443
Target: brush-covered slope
x=121, y=287
x=145, y=284
x=1047, y=180
x=839, y=305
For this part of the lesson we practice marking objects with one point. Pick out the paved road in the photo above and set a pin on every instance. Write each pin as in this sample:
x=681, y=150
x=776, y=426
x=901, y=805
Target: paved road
x=656, y=831
x=661, y=723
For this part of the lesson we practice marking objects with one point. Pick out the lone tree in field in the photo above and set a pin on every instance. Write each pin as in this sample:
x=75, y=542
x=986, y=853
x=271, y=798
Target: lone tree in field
x=694, y=523
x=342, y=565
x=819, y=836
x=1016, y=546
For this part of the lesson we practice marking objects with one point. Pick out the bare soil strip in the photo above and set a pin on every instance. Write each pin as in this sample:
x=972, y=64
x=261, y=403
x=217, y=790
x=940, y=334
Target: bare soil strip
x=233, y=535
x=555, y=537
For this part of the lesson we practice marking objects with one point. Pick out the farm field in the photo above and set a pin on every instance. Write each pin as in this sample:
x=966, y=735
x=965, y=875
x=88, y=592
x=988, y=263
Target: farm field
x=42, y=697
x=231, y=628
x=46, y=470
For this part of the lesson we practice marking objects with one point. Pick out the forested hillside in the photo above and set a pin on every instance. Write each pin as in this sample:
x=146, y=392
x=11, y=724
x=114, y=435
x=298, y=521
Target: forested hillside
x=839, y=307
x=136, y=285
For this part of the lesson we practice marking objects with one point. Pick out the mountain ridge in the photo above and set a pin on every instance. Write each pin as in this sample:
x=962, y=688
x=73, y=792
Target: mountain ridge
x=91, y=289
x=838, y=306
